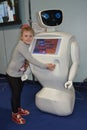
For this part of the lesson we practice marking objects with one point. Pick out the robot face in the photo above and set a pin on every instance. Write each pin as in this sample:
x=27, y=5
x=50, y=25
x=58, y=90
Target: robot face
x=51, y=17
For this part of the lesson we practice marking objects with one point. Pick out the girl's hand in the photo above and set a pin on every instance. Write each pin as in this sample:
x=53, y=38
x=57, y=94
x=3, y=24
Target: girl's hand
x=50, y=66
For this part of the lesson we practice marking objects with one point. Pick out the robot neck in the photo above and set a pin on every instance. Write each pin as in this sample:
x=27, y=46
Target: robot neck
x=50, y=29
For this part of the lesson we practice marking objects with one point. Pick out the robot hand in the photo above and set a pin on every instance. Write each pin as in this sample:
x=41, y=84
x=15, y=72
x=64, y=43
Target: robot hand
x=24, y=77
x=26, y=74
x=68, y=84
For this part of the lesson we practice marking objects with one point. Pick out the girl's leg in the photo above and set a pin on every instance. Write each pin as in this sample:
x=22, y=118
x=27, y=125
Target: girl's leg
x=16, y=88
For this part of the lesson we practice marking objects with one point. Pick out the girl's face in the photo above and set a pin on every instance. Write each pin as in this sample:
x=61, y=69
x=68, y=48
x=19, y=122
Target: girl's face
x=27, y=37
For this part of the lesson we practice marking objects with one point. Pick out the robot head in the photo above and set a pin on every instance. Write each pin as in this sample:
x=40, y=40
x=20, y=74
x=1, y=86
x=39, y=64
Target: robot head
x=50, y=18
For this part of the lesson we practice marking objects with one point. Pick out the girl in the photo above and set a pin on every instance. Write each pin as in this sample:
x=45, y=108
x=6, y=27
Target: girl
x=16, y=69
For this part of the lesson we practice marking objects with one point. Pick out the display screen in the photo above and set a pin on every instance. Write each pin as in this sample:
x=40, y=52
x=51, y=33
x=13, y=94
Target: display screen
x=9, y=12
x=47, y=46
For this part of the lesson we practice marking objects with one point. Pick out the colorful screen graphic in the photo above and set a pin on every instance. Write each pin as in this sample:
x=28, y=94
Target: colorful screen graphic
x=47, y=46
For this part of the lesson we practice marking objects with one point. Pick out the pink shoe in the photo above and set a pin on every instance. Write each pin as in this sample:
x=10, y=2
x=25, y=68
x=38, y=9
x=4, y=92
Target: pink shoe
x=16, y=117
x=23, y=112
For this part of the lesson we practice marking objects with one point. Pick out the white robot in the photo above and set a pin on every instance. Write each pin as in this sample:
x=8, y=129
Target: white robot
x=57, y=95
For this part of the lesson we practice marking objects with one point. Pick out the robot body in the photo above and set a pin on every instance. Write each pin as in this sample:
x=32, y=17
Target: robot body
x=54, y=97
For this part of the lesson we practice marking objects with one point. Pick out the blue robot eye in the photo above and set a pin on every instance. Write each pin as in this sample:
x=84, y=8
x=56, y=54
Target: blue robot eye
x=45, y=16
x=58, y=15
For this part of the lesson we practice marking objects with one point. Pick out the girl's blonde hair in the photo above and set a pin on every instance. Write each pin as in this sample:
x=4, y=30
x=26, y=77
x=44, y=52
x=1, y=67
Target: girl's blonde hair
x=26, y=27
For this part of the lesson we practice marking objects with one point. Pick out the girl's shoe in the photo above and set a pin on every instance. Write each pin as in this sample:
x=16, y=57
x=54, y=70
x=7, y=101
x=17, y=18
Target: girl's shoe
x=17, y=118
x=23, y=112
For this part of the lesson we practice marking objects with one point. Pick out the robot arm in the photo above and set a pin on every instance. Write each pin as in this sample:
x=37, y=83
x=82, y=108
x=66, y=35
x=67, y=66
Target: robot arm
x=75, y=57
x=26, y=74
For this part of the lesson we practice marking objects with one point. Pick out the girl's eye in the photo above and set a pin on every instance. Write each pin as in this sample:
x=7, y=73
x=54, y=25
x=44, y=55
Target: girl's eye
x=30, y=36
x=26, y=35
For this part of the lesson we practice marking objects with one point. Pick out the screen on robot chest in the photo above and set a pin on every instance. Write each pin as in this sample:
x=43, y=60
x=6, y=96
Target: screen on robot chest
x=46, y=46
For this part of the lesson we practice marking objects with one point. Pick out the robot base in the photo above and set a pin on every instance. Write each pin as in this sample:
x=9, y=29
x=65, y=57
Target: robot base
x=56, y=101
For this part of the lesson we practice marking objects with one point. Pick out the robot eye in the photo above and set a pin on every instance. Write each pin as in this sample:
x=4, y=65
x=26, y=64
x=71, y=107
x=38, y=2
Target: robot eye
x=58, y=15
x=45, y=16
